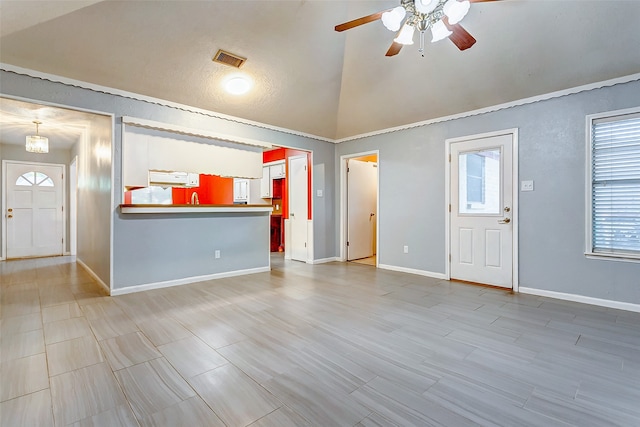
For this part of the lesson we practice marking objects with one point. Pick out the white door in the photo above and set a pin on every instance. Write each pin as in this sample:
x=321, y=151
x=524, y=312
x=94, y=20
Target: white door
x=481, y=211
x=298, y=207
x=34, y=210
x=362, y=194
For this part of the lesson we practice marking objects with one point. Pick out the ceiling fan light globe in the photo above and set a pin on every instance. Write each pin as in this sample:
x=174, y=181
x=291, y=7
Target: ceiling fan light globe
x=439, y=31
x=426, y=6
x=392, y=19
x=456, y=10
x=406, y=35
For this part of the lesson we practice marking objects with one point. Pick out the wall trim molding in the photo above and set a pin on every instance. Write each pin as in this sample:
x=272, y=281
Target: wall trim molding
x=324, y=260
x=413, y=271
x=627, y=306
x=126, y=94
x=504, y=106
x=93, y=275
x=152, y=100
x=187, y=280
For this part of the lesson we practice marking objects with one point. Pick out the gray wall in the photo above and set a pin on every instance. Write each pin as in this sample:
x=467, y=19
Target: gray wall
x=123, y=238
x=58, y=156
x=552, y=145
x=94, y=197
x=172, y=247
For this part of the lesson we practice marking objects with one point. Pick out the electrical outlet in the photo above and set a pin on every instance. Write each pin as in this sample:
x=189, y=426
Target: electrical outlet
x=406, y=249
x=217, y=255
x=526, y=186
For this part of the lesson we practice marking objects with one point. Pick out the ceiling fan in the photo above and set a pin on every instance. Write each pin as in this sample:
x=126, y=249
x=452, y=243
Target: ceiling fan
x=441, y=16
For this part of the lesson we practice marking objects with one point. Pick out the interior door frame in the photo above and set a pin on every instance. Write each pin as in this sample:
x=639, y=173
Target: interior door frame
x=73, y=206
x=309, y=225
x=3, y=248
x=344, y=201
x=515, y=192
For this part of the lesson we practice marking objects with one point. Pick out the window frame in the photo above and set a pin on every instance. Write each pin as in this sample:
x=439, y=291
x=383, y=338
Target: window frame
x=589, y=252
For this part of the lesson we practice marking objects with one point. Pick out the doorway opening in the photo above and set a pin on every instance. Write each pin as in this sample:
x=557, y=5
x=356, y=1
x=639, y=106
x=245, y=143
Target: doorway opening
x=359, y=208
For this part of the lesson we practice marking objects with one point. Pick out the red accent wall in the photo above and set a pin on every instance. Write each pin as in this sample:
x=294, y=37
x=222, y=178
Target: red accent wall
x=284, y=154
x=213, y=190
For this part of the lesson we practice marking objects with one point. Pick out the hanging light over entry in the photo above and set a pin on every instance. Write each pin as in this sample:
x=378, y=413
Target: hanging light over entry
x=36, y=143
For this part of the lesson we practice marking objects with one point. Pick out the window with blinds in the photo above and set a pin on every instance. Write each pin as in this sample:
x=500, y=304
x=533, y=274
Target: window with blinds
x=615, y=185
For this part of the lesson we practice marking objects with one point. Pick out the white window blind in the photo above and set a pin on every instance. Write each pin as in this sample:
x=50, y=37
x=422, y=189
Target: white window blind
x=615, y=182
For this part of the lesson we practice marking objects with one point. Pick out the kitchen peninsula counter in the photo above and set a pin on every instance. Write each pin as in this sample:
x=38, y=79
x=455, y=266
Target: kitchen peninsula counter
x=178, y=209
x=169, y=245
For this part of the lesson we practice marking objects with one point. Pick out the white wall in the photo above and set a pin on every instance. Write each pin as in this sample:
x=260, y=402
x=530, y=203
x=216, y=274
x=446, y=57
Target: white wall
x=94, y=197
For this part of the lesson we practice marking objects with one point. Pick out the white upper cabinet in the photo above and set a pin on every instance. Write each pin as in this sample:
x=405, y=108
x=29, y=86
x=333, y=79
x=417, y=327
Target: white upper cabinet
x=265, y=183
x=241, y=190
x=271, y=171
x=277, y=170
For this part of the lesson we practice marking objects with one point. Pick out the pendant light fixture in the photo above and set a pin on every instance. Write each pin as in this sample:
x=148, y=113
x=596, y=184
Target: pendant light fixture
x=36, y=143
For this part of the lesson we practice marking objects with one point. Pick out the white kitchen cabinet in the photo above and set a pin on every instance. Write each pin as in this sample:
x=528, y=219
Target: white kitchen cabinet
x=271, y=171
x=135, y=164
x=277, y=170
x=240, y=190
x=265, y=183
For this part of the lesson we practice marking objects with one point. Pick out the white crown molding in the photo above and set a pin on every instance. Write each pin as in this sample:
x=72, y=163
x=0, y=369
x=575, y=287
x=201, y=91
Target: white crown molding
x=150, y=124
x=152, y=100
x=524, y=101
x=126, y=94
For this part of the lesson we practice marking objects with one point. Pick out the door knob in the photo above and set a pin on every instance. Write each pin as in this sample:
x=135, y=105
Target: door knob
x=9, y=216
x=505, y=221
x=10, y=210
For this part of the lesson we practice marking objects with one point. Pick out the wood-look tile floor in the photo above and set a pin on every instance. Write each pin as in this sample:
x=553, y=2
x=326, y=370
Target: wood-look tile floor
x=337, y=344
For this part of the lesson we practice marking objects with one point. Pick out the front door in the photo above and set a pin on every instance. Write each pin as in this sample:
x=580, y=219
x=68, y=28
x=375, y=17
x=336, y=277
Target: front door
x=298, y=207
x=481, y=210
x=362, y=195
x=34, y=209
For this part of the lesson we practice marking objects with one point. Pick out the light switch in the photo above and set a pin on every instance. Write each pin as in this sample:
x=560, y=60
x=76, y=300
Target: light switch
x=526, y=186
x=319, y=193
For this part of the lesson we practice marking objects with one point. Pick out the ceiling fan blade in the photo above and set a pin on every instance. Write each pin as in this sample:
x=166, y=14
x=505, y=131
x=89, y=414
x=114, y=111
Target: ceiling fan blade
x=359, y=21
x=394, y=49
x=460, y=37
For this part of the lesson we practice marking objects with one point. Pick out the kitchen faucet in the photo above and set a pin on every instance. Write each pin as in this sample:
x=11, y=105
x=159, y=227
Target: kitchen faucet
x=194, y=198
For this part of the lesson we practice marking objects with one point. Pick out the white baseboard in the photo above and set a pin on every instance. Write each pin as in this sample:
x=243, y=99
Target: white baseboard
x=324, y=260
x=93, y=275
x=413, y=271
x=186, y=280
x=583, y=299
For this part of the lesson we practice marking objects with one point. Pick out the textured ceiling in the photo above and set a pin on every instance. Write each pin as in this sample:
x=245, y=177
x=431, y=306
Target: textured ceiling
x=309, y=78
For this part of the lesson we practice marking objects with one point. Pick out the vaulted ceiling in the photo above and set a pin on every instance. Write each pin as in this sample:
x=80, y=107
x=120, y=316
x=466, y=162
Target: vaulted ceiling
x=311, y=79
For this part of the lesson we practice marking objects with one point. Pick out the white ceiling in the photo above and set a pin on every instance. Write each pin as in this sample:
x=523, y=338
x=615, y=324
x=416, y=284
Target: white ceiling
x=63, y=127
x=310, y=78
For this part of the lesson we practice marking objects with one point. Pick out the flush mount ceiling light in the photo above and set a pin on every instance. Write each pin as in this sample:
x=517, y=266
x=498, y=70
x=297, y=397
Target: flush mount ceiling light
x=439, y=16
x=36, y=143
x=238, y=85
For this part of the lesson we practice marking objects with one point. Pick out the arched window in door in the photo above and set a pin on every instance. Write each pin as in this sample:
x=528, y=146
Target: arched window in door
x=34, y=178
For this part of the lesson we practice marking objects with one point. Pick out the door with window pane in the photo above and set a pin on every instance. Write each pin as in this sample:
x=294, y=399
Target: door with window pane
x=34, y=211
x=481, y=211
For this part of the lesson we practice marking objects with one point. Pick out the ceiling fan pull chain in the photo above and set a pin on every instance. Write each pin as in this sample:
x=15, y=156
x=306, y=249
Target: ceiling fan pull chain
x=421, y=50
